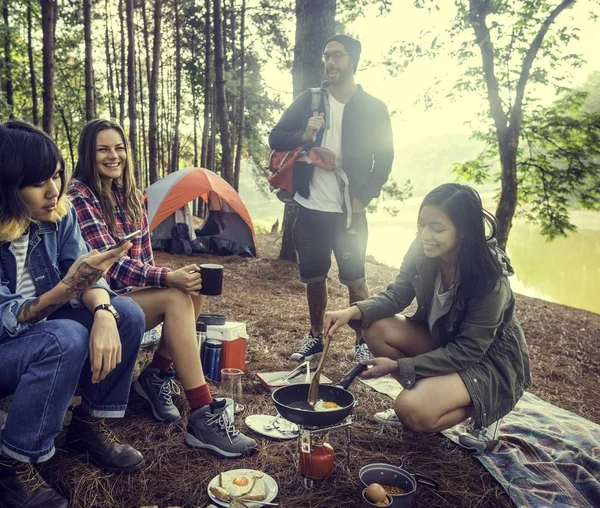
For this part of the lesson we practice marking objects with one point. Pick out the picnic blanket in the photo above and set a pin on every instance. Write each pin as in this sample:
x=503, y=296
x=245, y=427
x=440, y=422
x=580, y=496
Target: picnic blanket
x=545, y=456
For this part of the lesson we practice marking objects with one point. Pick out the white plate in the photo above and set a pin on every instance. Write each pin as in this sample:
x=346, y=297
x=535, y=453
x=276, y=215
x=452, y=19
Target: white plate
x=271, y=488
x=272, y=426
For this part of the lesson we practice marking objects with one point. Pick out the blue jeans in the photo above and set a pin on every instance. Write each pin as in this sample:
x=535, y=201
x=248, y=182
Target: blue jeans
x=44, y=366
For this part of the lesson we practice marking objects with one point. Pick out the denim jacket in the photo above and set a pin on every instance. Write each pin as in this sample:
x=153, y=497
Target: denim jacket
x=53, y=248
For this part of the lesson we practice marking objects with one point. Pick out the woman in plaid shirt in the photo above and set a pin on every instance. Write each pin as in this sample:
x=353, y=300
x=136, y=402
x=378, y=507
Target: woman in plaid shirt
x=109, y=206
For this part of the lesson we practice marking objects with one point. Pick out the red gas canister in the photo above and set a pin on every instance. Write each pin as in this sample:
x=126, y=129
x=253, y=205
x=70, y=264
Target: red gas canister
x=317, y=464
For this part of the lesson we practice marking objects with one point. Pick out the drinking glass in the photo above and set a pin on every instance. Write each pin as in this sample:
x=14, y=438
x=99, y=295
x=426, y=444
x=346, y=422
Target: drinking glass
x=231, y=386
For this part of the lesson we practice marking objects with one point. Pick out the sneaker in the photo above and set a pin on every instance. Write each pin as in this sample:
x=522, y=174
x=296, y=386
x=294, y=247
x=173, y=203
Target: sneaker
x=22, y=486
x=361, y=352
x=210, y=429
x=157, y=388
x=92, y=437
x=388, y=417
x=478, y=439
x=311, y=347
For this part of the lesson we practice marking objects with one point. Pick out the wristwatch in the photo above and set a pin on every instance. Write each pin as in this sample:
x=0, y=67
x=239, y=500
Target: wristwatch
x=109, y=308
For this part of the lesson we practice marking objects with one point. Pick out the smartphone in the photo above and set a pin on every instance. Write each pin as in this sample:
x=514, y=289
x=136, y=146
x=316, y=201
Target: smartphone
x=126, y=238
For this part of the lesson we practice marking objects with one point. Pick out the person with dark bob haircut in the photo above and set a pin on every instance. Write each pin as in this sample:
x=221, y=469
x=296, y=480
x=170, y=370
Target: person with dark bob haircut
x=60, y=325
x=462, y=354
x=109, y=206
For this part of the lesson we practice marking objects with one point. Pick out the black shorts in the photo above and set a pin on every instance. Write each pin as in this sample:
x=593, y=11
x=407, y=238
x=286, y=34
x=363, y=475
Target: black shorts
x=316, y=234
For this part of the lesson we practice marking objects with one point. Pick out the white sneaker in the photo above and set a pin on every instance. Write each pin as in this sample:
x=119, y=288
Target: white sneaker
x=388, y=417
x=478, y=439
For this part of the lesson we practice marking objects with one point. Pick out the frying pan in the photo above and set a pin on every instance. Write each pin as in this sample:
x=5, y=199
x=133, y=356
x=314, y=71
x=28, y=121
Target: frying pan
x=292, y=401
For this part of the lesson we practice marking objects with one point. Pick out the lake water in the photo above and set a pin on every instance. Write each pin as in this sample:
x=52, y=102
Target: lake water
x=565, y=271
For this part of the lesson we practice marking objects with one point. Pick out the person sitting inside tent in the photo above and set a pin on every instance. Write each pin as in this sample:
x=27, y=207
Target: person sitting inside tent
x=109, y=206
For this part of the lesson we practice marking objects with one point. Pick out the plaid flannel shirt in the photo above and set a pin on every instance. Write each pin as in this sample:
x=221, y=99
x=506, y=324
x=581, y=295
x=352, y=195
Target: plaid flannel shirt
x=136, y=268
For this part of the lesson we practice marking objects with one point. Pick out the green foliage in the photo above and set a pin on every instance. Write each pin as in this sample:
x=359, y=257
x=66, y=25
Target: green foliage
x=557, y=159
x=391, y=191
x=558, y=163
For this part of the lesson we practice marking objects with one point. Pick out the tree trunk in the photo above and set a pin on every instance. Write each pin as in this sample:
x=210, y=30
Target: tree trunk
x=194, y=88
x=49, y=14
x=146, y=41
x=206, y=125
x=314, y=25
x=153, y=94
x=10, y=99
x=90, y=107
x=143, y=157
x=175, y=152
x=123, y=65
x=222, y=113
x=507, y=205
x=35, y=116
x=131, y=89
x=212, y=145
x=68, y=134
x=117, y=72
x=508, y=126
x=242, y=100
x=112, y=109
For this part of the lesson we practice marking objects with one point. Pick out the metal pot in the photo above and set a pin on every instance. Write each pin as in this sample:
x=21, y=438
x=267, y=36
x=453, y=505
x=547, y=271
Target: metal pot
x=387, y=474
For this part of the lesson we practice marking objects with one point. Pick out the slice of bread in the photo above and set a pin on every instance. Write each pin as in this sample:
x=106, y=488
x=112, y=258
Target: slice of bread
x=219, y=492
x=236, y=503
x=258, y=492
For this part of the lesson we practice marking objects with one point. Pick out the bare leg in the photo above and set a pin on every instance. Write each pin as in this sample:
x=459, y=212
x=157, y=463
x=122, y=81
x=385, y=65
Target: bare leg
x=434, y=404
x=176, y=310
x=356, y=294
x=198, y=304
x=316, y=294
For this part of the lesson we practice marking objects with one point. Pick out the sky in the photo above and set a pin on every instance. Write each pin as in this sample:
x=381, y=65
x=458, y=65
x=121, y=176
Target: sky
x=410, y=121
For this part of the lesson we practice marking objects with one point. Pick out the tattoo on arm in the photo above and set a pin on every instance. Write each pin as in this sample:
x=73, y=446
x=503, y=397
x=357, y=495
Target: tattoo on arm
x=84, y=278
x=31, y=314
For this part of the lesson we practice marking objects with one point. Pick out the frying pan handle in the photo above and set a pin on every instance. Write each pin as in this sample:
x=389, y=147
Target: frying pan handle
x=348, y=378
x=424, y=480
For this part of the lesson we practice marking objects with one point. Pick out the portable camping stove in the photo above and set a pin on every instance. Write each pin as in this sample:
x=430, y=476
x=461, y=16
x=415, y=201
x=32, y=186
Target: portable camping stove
x=308, y=434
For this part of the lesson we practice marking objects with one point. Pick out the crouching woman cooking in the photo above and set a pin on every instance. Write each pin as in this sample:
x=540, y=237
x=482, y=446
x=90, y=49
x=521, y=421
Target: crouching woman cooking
x=463, y=353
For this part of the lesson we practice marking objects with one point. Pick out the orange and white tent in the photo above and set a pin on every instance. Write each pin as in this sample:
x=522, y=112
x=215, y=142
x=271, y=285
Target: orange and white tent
x=175, y=191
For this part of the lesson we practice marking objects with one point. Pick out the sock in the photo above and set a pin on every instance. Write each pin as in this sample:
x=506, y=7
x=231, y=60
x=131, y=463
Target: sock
x=160, y=362
x=198, y=397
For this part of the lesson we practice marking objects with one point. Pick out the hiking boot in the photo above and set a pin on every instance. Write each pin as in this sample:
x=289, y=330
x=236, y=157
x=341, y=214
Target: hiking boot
x=389, y=418
x=210, y=429
x=21, y=486
x=93, y=437
x=361, y=352
x=478, y=439
x=157, y=387
x=311, y=347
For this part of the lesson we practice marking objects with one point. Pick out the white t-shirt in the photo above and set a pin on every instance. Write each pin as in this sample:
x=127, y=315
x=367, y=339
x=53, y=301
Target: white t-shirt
x=325, y=194
x=441, y=302
x=24, y=286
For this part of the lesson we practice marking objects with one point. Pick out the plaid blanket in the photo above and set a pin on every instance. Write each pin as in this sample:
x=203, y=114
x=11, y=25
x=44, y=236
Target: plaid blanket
x=545, y=456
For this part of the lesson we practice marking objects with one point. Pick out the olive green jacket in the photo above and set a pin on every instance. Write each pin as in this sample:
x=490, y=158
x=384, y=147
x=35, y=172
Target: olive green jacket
x=478, y=338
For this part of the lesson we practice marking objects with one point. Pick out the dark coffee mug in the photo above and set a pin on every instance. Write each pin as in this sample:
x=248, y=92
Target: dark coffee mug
x=212, y=279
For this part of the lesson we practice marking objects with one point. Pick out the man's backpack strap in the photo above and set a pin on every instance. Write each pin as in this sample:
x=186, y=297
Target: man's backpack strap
x=315, y=102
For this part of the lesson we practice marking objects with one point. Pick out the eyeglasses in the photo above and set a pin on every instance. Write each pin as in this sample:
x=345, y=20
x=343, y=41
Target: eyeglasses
x=336, y=56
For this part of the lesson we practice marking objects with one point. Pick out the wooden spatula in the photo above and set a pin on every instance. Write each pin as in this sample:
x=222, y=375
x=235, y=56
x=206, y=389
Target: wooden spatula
x=313, y=391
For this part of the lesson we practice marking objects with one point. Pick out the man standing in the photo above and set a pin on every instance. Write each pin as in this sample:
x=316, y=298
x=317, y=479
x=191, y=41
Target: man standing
x=356, y=127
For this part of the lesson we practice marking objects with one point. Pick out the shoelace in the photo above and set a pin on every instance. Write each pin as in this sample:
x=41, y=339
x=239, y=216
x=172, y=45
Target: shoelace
x=105, y=430
x=29, y=476
x=165, y=387
x=362, y=352
x=224, y=424
x=309, y=343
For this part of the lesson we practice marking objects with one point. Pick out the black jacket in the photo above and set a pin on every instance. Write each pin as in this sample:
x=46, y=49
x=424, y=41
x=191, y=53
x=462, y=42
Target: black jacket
x=367, y=145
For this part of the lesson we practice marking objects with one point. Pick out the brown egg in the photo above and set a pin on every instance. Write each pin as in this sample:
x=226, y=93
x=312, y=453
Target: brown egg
x=376, y=493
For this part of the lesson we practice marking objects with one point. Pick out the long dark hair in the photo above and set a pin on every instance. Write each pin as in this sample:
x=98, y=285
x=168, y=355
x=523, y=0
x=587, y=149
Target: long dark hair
x=28, y=156
x=85, y=172
x=479, y=267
